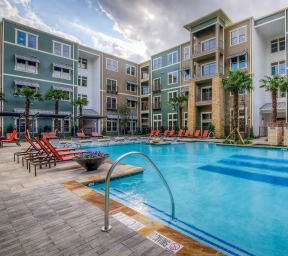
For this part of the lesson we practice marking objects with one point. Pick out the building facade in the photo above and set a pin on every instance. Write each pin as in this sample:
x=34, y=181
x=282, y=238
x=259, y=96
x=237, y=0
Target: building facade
x=196, y=68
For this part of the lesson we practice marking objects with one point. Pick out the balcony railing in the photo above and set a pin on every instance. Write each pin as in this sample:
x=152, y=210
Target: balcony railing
x=204, y=97
x=145, y=90
x=144, y=76
x=201, y=49
x=144, y=106
x=212, y=72
x=113, y=90
x=156, y=88
x=156, y=106
x=111, y=107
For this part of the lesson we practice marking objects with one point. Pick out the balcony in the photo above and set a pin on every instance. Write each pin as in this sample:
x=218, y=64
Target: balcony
x=203, y=99
x=206, y=49
x=144, y=106
x=207, y=72
x=144, y=76
x=156, y=88
x=111, y=107
x=144, y=91
x=156, y=106
x=113, y=90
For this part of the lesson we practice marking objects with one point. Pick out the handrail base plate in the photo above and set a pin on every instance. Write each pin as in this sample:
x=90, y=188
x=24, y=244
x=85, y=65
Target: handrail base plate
x=104, y=229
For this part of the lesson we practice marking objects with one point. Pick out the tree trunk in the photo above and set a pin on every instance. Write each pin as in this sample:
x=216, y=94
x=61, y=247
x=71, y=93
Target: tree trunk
x=56, y=113
x=80, y=119
x=274, y=106
x=27, y=113
x=180, y=118
x=235, y=111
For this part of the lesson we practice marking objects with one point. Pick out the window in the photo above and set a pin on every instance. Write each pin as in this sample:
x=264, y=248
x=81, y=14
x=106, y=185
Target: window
x=20, y=123
x=111, y=125
x=208, y=45
x=238, y=36
x=206, y=93
x=145, y=90
x=66, y=125
x=208, y=69
x=157, y=102
x=186, y=74
x=62, y=73
x=278, y=45
x=131, y=103
x=238, y=62
x=131, y=87
x=172, y=58
x=82, y=96
x=26, y=66
x=157, y=84
x=82, y=63
x=26, y=39
x=59, y=122
x=205, y=120
x=157, y=121
x=111, y=85
x=112, y=65
x=157, y=63
x=278, y=68
x=187, y=53
x=111, y=103
x=173, y=77
x=82, y=81
x=172, y=95
x=61, y=49
x=68, y=96
x=130, y=70
x=133, y=125
x=185, y=120
x=172, y=121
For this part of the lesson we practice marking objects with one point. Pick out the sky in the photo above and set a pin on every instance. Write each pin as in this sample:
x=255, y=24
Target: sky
x=131, y=29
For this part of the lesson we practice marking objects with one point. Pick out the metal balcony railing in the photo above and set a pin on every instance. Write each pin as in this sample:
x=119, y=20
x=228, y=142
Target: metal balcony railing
x=200, y=49
x=113, y=90
x=156, y=106
x=210, y=72
x=156, y=88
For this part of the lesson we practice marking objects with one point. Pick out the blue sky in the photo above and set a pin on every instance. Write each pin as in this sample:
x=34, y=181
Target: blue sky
x=131, y=29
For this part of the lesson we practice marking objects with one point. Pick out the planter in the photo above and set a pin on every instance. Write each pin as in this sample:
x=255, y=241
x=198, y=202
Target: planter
x=275, y=134
x=91, y=164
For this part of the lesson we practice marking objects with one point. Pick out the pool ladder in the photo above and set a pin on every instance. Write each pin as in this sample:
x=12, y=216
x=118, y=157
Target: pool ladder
x=108, y=227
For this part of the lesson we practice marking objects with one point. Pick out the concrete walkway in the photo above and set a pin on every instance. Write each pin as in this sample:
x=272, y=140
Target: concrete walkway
x=38, y=216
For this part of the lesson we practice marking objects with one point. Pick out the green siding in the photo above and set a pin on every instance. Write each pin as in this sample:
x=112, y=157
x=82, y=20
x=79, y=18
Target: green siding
x=287, y=20
x=269, y=18
x=204, y=24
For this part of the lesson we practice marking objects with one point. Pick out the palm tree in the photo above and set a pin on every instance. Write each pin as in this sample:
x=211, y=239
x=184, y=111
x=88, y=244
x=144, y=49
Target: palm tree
x=80, y=103
x=29, y=94
x=177, y=103
x=56, y=95
x=124, y=112
x=237, y=80
x=272, y=84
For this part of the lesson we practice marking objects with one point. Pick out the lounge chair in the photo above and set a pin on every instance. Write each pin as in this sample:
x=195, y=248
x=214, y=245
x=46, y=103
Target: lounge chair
x=171, y=133
x=205, y=134
x=11, y=138
x=81, y=135
x=165, y=133
x=186, y=133
x=49, y=135
x=196, y=134
x=157, y=133
x=95, y=134
x=179, y=133
x=152, y=133
x=30, y=150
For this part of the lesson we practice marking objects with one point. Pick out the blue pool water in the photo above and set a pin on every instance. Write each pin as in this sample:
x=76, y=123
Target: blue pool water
x=231, y=198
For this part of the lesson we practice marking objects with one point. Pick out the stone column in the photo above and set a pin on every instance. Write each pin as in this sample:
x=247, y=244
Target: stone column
x=191, y=108
x=218, y=107
x=275, y=134
x=285, y=134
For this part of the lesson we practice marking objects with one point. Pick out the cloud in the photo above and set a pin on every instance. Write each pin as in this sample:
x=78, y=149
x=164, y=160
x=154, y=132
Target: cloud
x=30, y=18
x=159, y=24
x=132, y=49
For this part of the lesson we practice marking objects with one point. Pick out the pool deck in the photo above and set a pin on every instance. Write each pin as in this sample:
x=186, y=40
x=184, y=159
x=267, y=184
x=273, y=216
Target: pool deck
x=55, y=214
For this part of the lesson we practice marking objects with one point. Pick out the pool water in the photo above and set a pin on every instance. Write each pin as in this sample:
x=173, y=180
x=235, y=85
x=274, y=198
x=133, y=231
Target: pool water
x=231, y=198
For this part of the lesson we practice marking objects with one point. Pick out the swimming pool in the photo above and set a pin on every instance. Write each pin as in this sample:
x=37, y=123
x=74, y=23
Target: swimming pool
x=230, y=198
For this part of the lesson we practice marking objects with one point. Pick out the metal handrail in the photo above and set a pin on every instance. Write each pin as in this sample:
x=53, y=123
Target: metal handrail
x=108, y=227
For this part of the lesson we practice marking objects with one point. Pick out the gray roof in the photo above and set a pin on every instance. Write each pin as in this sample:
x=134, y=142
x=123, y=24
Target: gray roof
x=267, y=107
x=29, y=58
x=26, y=83
x=62, y=66
x=237, y=54
x=61, y=88
x=115, y=116
x=90, y=112
x=41, y=111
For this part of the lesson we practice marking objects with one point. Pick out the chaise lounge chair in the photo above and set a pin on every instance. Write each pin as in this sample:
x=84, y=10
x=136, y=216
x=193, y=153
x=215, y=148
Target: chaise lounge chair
x=11, y=138
x=95, y=134
x=81, y=135
x=30, y=150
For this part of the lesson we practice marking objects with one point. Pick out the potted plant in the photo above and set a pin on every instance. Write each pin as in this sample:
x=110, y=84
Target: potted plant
x=91, y=160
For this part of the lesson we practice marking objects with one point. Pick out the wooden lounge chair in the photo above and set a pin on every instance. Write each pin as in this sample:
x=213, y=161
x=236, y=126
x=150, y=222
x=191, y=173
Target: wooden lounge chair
x=81, y=135
x=11, y=138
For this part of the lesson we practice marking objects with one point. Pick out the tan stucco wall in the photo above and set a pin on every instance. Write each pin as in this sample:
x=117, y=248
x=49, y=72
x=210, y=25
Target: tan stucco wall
x=218, y=106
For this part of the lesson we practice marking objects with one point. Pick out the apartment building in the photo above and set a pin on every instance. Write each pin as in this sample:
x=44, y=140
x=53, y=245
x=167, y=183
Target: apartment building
x=195, y=68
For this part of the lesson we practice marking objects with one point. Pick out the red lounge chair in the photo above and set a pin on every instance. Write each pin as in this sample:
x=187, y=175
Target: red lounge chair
x=186, y=133
x=26, y=152
x=57, y=149
x=81, y=135
x=205, y=134
x=95, y=134
x=151, y=133
x=157, y=133
x=171, y=133
x=196, y=134
x=180, y=133
x=11, y=138
x=49, y=135
x=165, y=133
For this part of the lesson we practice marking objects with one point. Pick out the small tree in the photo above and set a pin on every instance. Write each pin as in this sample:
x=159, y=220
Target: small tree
x=29, y=94
x=80, y=103
x=177, y=103
x=272, y=84
x=237, y=80
x=2, y=96
x=56, y=95
x=124, y=112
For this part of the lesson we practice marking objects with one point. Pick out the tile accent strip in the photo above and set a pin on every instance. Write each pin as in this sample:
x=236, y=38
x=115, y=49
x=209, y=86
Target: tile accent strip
x=128, y=221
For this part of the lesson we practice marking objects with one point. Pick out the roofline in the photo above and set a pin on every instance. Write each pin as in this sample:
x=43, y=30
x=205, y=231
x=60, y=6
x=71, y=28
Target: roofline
x=198, y=21
x=240, y=21
x=178, y=45
x=272, y=13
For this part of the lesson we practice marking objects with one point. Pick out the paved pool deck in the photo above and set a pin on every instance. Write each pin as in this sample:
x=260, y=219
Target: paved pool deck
x=55, y=214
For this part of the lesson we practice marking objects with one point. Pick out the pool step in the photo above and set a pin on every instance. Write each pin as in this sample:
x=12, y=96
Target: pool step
x=262, y=159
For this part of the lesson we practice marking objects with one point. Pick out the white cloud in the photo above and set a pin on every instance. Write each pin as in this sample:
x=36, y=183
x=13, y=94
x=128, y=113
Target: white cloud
x=30, y=18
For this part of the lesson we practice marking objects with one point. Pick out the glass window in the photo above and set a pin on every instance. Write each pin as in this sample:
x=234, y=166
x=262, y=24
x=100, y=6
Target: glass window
x=66, y=50
x=205, y=46
x=20, y=65
x=206, y=94
x=112, y=65
x=21, y=38
x=173, y=77
x=234, y=37
x=206, y=116
x=32, y=41
x=212, y=67
x=57, y=72
x=157, y=63
x=57, y=48
x=186, y=74
x=274, y=69
x=187, y=53
x=242, y=61
x=274, y=46
x=234, y=62
x=66, y=125
x=32, y=67
x=172, y=121
x=282, y=68
x=172, y=58
x=242, y=35
x=212, y=43
x=66, y=73
x=281, y=44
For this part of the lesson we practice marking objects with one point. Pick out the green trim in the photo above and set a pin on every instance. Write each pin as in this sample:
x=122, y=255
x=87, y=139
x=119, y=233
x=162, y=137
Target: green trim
x=221, y=22
x=269, y=18
x=204, y=25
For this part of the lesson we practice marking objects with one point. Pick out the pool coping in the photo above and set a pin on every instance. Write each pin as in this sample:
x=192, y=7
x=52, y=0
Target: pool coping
x=253, y=146
x=80, y=188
